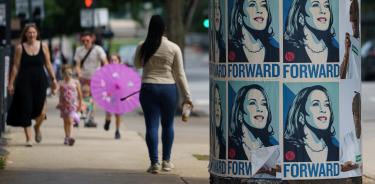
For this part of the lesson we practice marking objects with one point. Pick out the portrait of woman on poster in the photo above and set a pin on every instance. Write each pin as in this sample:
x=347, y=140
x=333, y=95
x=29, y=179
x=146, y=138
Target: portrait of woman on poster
x=217, y=126
x=219, y=46
x=309, y=131
x=309, y=33
x=250, y=33
x=250, y=125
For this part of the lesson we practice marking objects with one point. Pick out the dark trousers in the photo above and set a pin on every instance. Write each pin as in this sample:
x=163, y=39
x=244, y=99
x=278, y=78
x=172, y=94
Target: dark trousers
x=159, y=103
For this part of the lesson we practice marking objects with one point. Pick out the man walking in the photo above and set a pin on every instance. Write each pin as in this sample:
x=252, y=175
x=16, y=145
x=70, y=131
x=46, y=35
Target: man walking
x=89, y=57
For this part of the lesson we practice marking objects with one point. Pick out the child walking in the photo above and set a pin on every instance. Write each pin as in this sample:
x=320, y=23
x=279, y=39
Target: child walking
x=70, y=101
x=87, y=109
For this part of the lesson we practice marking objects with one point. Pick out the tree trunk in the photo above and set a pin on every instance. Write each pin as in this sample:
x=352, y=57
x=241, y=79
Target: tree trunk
x=175, y=24
x=188, y=18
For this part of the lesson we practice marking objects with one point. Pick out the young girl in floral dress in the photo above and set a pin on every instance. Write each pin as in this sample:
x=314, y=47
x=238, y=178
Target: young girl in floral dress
x=70, y=101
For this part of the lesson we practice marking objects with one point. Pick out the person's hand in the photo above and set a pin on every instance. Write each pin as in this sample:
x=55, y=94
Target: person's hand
x=10, y=89
x=188, y=102
x=80, y=107
x=349, y=165
x=270, y=171
x=348, y=43
x=54, y=86
x=187, y=106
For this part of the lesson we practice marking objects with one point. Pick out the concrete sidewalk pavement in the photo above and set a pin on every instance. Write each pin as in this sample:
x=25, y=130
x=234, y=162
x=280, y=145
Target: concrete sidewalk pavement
x=97, y=157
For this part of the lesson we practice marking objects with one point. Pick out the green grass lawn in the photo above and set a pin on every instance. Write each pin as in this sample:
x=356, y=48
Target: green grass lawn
x=118, y=42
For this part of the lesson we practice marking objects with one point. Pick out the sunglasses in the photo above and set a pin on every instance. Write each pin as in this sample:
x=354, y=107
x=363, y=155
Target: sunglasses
x=86, y=40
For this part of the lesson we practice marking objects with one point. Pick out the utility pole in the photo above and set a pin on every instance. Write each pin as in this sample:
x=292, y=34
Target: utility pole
x=30, y=8
x=5, y=52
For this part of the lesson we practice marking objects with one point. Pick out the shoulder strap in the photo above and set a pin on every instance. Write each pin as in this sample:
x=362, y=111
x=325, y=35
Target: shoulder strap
x=41, y=47
x=87, y=54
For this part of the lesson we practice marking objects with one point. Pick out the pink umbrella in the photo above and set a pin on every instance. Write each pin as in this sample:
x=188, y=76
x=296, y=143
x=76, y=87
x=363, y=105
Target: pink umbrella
x=111, y=83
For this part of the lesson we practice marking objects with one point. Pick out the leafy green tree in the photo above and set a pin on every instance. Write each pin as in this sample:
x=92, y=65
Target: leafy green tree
x=62, y=17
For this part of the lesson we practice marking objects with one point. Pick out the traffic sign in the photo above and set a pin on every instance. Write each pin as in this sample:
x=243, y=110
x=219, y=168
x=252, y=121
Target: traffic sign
x=22, y=7
x=2, y=14
x=87, y=17
x=94, y=17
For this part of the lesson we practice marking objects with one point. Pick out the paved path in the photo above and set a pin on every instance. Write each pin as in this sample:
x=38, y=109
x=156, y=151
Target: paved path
x=97, y=157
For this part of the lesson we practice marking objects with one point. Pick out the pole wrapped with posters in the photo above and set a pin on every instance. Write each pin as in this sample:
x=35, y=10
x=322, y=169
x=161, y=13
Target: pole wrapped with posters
x=285, y=97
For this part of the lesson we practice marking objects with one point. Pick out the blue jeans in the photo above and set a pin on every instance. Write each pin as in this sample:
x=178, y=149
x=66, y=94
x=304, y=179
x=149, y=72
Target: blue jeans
x=159, y=102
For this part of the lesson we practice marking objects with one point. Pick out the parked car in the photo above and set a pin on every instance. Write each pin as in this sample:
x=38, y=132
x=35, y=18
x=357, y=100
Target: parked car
x=368, y=60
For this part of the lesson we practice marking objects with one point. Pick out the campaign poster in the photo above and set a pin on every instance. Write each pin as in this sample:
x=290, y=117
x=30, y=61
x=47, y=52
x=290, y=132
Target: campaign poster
x=350, y=90
x=297, y=119
x=350, y=128
x=311, y=131
x=253, y=31
x=218, y=119
x=253, y=129
x=218, y=127
x=210, y=33
x=350, y=62
x=311, y=31
x=219, y=31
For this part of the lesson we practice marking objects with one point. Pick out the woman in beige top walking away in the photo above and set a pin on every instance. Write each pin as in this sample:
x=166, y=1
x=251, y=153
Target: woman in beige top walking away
x=162, y=65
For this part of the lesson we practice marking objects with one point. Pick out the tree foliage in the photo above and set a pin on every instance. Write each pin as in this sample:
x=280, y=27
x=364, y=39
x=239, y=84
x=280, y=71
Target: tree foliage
x=62, y=17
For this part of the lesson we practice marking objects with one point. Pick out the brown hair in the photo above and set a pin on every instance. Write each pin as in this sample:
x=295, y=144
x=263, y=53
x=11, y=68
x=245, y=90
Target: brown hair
x=86, y=33
x=356, y=108
x=23, y=37
x=66, y=67
x=117, y=56
x=86, y=88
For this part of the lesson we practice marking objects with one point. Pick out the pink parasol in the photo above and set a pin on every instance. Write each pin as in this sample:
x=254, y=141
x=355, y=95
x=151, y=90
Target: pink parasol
x=111, y=83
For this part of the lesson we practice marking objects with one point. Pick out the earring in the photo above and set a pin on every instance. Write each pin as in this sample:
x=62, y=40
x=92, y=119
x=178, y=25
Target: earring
x=240, y=118
x=300, y=119
x=301, y=20
x=240, y=20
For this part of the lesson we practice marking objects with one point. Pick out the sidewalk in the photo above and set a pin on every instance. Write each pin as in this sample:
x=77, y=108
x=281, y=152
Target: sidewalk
x=98, y=158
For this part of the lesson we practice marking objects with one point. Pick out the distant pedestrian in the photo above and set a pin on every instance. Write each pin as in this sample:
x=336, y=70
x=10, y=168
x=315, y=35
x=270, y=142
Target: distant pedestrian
x=89, y=58
x=115, y=59
x=58, y=61
x=70, y=101
x=28, y=83
x=162, y=65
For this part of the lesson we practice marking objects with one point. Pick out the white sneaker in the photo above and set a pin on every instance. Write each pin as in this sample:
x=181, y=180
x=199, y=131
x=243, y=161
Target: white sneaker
x=154, y=168
x=29, y=144
x=167, y=165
